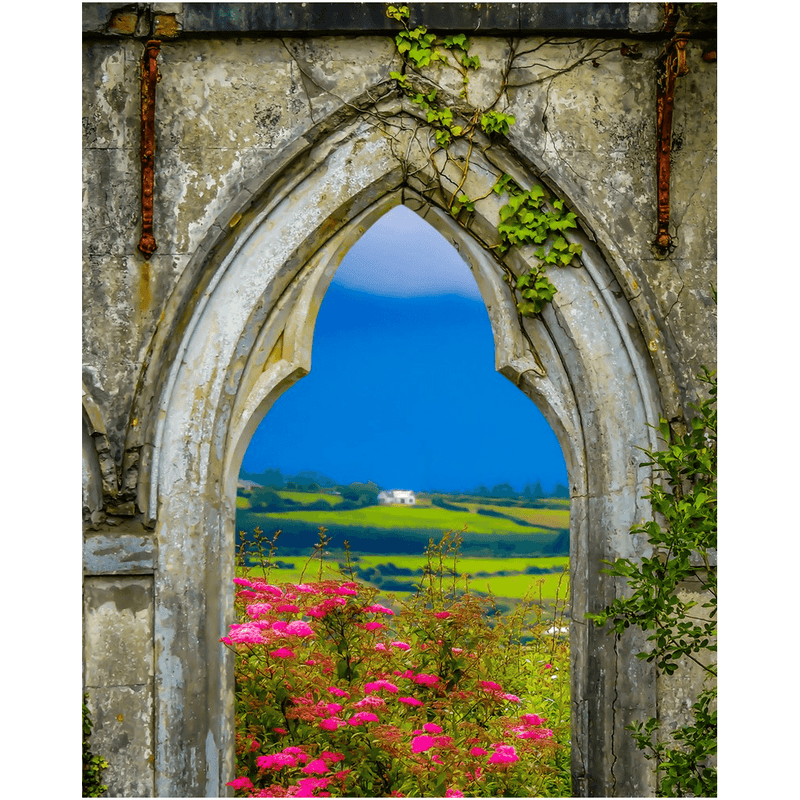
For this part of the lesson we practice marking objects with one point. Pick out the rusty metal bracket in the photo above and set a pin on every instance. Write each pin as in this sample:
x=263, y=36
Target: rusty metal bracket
x=671, y=65
x=150, y=77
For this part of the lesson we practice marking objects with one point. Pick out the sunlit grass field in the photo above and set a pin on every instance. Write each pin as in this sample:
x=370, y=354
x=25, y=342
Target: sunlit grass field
x=487, y=574
x=309, y=497
x=469, y=565
x=397, y=517
x=548, y=586
x=547, y=517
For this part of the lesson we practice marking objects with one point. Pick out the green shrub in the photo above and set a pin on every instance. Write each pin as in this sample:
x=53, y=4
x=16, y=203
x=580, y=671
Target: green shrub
x=438, y=695
x=684, y=543
x=93, y=765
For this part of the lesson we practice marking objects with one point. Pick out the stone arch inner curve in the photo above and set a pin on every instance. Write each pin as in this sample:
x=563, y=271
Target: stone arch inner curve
x=249, y=338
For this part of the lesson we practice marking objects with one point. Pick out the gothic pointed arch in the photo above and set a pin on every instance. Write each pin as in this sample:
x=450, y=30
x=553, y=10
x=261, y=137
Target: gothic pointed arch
x=239, y=332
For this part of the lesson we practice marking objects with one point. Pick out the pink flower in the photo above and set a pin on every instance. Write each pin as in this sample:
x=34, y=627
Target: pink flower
x=305, y=588
x=257, y=609
x=430, y=727
x=443, y=741
x=410, y=701
x=276, y=761
x=331, y=723
x=287, y=608
x=300, y=754
x=442, y=614
x=331, y=757
x=241, y=783
x=477, y=751
x=380, y=646
x=371, y=626
x=422, y=743
x=504, y=754
x=536, y=733
x=307, y=785
x=363, y=717
x=268, y=588
x=349, y=589
x=333, y=708
x=317, y=766
x=511, y=698
x=246, y=633
x=548, y=666
x=282, y=652
x=375, y=686
x=425, y=680
x=491, y=686
x=299, y=628
x=401, y=645
x=453, y=792
x=371, y=702
x=531, y=719
x=242, y=582
x=379, y=609
x=338, y=692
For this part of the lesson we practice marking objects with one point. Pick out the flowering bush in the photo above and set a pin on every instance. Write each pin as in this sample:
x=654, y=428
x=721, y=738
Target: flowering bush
x=428, y=699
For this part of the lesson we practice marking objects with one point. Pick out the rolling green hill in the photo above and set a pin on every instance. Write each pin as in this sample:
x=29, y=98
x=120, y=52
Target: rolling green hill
x=509, y=548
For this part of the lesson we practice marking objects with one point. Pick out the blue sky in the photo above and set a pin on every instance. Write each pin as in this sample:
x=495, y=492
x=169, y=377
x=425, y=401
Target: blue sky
x=403, y=389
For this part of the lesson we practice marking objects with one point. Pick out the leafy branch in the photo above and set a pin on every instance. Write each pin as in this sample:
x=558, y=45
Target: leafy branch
x=684, y=540
x=527, y=218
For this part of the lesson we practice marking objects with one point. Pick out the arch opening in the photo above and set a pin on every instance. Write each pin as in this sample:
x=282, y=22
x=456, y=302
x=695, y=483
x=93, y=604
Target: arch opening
x=249, y=339
x=421, y=333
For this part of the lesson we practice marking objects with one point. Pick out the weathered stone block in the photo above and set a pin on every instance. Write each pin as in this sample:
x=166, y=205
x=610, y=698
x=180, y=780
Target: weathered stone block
x=118, y=633
x=122, y=733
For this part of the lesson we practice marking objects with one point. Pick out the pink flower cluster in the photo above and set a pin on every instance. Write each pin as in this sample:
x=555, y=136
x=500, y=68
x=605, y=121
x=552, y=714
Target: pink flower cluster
x=376, y=704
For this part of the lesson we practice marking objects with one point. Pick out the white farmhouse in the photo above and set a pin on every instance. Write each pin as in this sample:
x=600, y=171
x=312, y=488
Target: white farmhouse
x=397, y=497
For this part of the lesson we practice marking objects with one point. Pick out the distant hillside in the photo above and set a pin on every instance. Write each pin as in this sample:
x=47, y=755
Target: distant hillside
x=499, y=528
x=275, y=478
x=313, y=480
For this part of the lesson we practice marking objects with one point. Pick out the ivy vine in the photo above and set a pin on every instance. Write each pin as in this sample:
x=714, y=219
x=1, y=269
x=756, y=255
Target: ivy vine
x=529, y=217
x=681, y=629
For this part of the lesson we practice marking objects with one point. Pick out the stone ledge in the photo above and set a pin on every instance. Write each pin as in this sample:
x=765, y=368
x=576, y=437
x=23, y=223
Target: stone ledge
x=182, y=19
x=120, y=554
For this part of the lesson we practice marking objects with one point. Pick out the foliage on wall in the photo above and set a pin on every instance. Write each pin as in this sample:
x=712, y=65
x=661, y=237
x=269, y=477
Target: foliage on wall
x=673, y=596
x=529, y=217
x=93, y=765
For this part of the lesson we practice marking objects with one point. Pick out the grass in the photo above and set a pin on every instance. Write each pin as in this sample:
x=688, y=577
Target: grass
x=546, y=517
x=309, y=497
x=394, y=518
x=504, y=587
x=467, y=564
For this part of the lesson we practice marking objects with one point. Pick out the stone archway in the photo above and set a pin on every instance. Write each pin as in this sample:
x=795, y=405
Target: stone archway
x=242, y=332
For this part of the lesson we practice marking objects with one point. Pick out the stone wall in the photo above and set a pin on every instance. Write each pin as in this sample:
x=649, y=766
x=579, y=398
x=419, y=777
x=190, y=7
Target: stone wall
x=279, y=137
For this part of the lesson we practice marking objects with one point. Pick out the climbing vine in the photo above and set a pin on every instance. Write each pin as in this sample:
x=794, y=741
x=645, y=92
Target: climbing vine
x=683, y=538
x=529, y=217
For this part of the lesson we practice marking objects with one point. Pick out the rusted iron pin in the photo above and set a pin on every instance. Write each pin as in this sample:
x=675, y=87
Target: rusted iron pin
x=150, y=76
x=672, y=65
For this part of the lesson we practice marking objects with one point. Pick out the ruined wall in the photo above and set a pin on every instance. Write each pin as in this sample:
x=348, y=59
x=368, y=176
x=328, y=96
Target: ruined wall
x=245, y=89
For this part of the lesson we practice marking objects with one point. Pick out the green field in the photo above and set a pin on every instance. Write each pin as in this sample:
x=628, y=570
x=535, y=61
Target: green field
x=509, y=550
x=394, y=517
x=243, y=501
